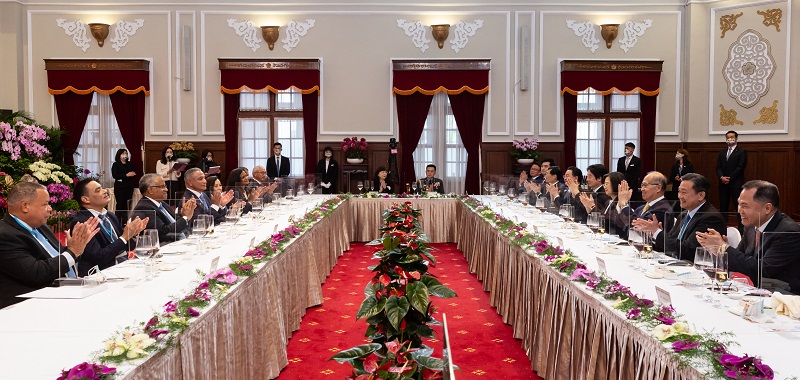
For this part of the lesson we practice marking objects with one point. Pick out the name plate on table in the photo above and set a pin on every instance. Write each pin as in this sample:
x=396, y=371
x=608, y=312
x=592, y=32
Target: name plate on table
x=663, y=296
x=601, y=265
x=214, y=264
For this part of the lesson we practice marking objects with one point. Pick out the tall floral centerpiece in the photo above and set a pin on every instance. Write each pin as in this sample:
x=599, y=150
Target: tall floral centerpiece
x=355, y=150
x=525, y=151
x=398, y=305
x=183, y=151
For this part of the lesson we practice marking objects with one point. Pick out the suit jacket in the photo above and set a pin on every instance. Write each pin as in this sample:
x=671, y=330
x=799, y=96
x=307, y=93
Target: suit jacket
x=272, y=167
x=580, y=214
x=390, y=190
x=661, y=209
x=332, y=176
x=430, y=182
x=732, y=166
x=167, y=231
x=25, y=265
x=218, y=214
x=779, y=243
x=632, y=172
x=706, y=217
x=100, y=250
x=254, y=183
x=611, y=218
x=551, y=204
x=677, y=171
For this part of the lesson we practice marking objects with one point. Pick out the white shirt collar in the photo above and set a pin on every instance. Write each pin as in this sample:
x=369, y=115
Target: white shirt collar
x=764, y=226
x=654, y=201
x=96, y=213
x=157, y=203
x=692, y=212
x=196, y=193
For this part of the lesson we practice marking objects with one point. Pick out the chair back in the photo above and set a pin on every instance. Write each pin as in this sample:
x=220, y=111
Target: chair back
x=734, y=237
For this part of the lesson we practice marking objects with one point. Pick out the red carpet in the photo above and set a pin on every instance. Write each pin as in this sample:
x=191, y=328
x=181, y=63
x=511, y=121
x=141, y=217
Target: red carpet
x=483, y=346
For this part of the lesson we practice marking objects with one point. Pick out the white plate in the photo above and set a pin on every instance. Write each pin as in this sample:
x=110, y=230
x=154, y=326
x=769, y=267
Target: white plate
x=655, y=275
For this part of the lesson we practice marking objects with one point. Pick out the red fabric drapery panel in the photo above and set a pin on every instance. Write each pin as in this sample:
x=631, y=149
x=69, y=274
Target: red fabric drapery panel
x=570, y=129
x=647, y=133
x=105, y=82
x=310, y=119
x=72, y=110
x=468, y=112
x=605, y=82
x=236, y=81
x=231, y=129
x=129, y=111
x=412, y=110
x=430, y=82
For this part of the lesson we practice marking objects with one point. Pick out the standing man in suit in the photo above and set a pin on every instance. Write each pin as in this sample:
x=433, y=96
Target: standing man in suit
x=680, y=241
x=328, y=172
x=731, y=163
x=31, y=257
x=112, y=240
x=631, y=167
x=170, y=227
x=216, y=205
x=770, y=238
x=653, y=188
x=278, y=166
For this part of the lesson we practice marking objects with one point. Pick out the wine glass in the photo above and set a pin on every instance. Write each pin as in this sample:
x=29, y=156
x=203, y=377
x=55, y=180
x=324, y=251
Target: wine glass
x=360, y=186
x=720, y=266
x=311, y=188
x=143, y=252
x=371, y=186
x=702, y=261
x=209, y=223
x=198, y=231
x=276, y=198
x=492, y=188
x=414, y=186
x=485, y=187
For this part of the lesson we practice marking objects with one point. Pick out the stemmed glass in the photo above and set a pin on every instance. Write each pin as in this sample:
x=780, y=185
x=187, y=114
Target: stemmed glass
x=414, y=186
x=371, y=186
x=209, y=223
x=198, y=231
x=720, y=266
x=144, y=252
x=485, y=187
x=310, y=188
x=592, y=223
x=360, y=186
x=702, y=261
x=492, y=188
x=276, y=198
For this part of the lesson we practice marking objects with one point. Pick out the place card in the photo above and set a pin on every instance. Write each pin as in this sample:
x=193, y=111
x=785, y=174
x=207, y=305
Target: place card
x=663, y=296
x=214, y=264
x=601, y=265
x=252, y=243
x=275, y=230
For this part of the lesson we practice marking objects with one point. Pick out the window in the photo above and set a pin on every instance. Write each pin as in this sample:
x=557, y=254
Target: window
x=100, y=140
x=440, y=144
x=266, y=118
x=605, y=124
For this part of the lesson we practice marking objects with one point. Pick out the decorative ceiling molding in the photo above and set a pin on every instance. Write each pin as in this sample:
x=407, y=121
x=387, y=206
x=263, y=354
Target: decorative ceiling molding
x=123, y=30
x=749, y=67
x=463, y=31
x=76, y=30
x=294, y=31
x=586, y=31
x=417, y=31
x=247, y=31
x=633, y=30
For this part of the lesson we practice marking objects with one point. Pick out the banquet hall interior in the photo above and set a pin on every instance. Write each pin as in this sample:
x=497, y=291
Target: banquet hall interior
x=448, y=82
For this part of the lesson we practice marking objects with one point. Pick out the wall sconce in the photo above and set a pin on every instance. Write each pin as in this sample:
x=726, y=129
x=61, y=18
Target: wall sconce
x=440, y=33
x=270, y=35
x=99, y=32
x=609, y=33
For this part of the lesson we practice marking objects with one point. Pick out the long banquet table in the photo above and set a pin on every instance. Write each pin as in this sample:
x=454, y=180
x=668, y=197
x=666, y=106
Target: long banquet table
x=568, y=332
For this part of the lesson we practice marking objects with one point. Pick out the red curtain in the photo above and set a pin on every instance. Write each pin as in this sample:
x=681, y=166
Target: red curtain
x=105, y=82
x=647, y=133
x=129, y=111
x=570, y=128
x=412, y=110
x=310, y=120
x=231, y=129
x=72, y=110
x=236, y=81
x=468, y=112
x=429, y=82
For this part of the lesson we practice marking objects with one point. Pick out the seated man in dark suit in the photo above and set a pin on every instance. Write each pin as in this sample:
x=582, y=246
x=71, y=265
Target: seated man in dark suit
x=260, y=179
x=162, y=218
x=31, y=257
x=653, y=189
x=770, y=237
x=215, y=206
x=551, y=191
x=698, y=215
x=430, y=183
x=112, y=240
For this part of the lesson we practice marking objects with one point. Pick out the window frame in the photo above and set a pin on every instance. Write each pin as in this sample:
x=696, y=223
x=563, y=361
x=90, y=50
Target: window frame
x=607, y=115
x=272, y=115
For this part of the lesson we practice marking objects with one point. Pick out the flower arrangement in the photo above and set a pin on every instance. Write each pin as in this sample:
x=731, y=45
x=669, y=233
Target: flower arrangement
x=88, y=371
x=47, y=172
x=526, y=149
x=22, y=136
x=127, y=346
x=398, y=308
x=355, y=148
x=183, y=149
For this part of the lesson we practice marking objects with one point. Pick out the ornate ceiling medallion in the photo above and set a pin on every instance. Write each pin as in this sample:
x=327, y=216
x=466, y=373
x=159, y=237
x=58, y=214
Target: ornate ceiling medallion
x=728, y=22
x=728, y=117
x=749, y=67
x=769, y=115
x=772, y=17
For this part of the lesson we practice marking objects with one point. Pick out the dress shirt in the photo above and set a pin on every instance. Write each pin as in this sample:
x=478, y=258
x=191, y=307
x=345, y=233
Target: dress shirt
x=48, y=247
x=689, y=215
x=97, y=215
x=204, y=198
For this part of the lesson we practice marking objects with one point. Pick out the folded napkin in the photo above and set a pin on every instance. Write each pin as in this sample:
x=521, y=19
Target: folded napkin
x=785, y=304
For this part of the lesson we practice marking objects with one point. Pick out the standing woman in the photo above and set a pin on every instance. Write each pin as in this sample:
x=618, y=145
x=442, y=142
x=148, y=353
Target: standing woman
x=122, y=172
x=383, y=184
x=170, y=176
x=328, y=172
x=682, y=166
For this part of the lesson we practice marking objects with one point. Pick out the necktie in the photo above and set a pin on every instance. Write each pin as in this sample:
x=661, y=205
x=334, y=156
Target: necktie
x=164, y=211
x=730, y=150
x=627, y=162
x=646, y=207
x=278, y=165
x=758, y=240
x=683, y=225
x=50, y=249
x=107, y=227
x=205, y=200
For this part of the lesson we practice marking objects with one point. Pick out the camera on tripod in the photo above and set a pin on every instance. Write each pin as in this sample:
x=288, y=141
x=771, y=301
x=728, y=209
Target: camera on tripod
x=393, y=145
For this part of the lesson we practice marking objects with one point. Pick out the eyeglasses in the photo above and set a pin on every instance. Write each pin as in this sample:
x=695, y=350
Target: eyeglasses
x=160, y=187
x=645, y=184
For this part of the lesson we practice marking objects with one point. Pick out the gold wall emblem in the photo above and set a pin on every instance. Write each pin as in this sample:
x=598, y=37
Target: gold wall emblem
x=728, y=22
x=728, y=117
x=769, y=115
x=772, y=17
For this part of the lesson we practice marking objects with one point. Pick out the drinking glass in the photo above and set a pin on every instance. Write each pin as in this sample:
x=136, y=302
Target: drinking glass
x=198, y=231
x=311, y=188
x=360, y=186
x=540, y=204
x=414, y=186
x=276, y=198
x=289, y=193
x=485, y=187
x=257, y=205
x=502, y=190
x=703, y=262
x=209, y=220
x=144, y=252
x=492, y=188
x=720, y=259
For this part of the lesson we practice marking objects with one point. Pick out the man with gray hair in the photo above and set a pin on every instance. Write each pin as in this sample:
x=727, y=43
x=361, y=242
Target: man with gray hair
x=653, y=187
x=215, y=205
x=31, y=257
x=170, y=227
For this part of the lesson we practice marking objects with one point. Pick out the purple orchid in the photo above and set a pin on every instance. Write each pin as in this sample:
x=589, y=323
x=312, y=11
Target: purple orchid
x=683, y=345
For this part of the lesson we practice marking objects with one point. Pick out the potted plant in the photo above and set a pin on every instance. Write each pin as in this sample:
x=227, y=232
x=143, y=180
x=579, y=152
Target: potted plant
x=183, y=152
x=525, y=151
x=355, y=150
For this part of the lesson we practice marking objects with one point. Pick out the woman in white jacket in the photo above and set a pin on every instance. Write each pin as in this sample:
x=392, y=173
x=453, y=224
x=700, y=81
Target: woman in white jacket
x=167, y=173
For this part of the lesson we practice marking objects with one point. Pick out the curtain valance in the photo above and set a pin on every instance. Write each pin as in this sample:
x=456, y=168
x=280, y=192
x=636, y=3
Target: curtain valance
x=103, y=76
x=259, y=75
x=450, y=76
x=627, y=78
